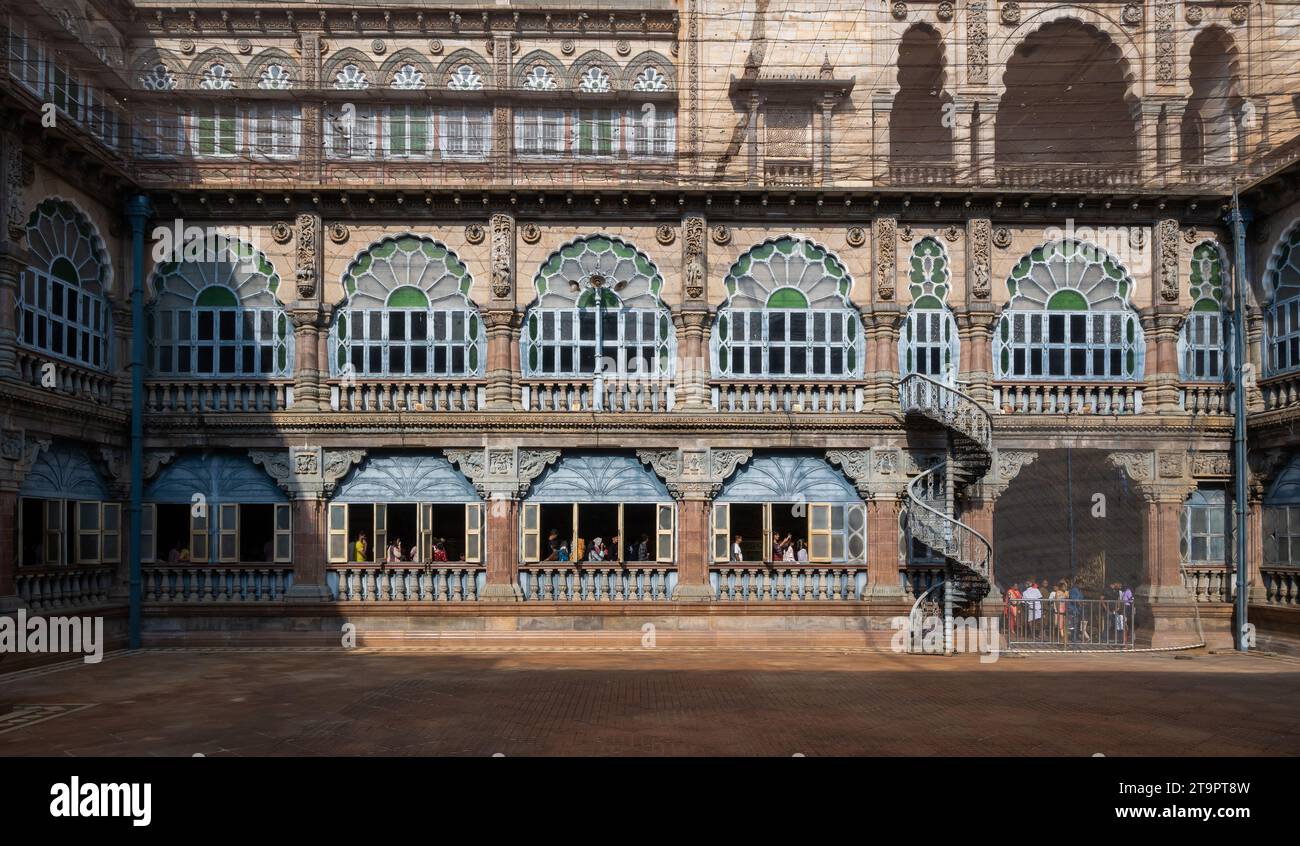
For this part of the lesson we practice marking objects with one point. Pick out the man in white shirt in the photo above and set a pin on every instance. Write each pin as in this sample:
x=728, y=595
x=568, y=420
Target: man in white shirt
x=1035, y=605
x=735, y=550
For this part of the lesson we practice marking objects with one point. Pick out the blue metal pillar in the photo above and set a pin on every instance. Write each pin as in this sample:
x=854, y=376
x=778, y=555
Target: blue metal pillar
x=138, y=211
x=1239, y=219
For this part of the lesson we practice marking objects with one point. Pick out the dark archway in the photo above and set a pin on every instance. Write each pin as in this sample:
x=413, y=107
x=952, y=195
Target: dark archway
x=1066, y=99
x=1044, y=526
x=919, y=127
x=1210, y=123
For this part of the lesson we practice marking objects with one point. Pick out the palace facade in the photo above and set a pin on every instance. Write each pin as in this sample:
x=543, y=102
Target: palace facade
x=938, y=291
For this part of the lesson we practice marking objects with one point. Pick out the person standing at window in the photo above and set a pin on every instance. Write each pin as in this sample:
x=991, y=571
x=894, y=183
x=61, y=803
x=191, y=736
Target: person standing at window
x=394, y=552
x=802, y=553
x=735, y=549
x=361, y=549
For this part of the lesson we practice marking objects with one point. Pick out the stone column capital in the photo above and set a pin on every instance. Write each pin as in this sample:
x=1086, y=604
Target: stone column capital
x=307, y=472
x=694, y=474
x=502, y=472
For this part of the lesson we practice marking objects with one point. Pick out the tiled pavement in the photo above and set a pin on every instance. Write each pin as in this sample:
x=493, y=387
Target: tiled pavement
x=650, y=702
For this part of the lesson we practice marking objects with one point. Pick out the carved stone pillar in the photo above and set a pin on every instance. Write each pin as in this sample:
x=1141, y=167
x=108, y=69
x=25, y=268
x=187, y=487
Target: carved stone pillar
x=976, y=324
x=313, y=146
x=752, y=176
x=1146, y=116
x=984, y=130
x=500, y=318
x=308, y=316
x=827, y=104
x=693, y=476
x=691, y=318
x=1171, y=144
x=886, y=314
x=502, y=475
x=309, y=475
x=13, y=256
x=878, y=476
x=1161, y=325
x=1254, y=359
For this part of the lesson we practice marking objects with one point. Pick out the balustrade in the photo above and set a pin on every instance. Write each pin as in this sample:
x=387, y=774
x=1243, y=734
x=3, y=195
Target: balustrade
x=54, y=588
x=371, y=394
x=590, y=394
x=442, y=582
x=595, y=582
x=1206, y=399
x=812, y=396
x=1067, y=398
x=1281, y=586
x=217, y=395
x=1281, y=391
x=177, y=583
x=68, y=378
x=777, y=581
x=1209, y=583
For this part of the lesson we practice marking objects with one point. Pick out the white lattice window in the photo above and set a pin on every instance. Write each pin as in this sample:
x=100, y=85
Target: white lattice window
x=1282, y=324
x=408, y=78
x=217, y=77
x=61, y=308
x=1204, y=529
x=539, y=132
x=787, y=315
x=350, y=77
x=216, y=129
x=650, y=79
x=408, y=313
x=1069, y=318
x=597, y=131
x=275, y=129
x=408, y=132
x=26, y=56
x=351, y=132
x=540, y=78
x=215, y=319
x=1202, y=343
x=275, y=78
x=594, y=81
x=928, y=343
x=465, y=78
x=626, y=332
x=158, y=79
x=654, y=131
x=465, y=132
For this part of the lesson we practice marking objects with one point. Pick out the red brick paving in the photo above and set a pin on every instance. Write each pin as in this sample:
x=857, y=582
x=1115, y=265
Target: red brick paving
x=410, y=702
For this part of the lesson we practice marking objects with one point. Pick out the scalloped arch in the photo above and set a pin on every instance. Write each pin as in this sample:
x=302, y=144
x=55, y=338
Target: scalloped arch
x=349, y=56
x=645, y=59
x=58, y=228
x=245, y=270
x=407, y=260
x=788, y=261
x=601, y=253
x=1080, y=266
x=272, y=56
x=463, y=56
x=193, y=74
x=540, y=57
x=1091, y=20
x=406, y=56
x=595, y=57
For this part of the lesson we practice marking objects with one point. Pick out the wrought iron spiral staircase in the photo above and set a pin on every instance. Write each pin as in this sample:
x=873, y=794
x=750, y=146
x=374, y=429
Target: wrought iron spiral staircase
x=931, y=511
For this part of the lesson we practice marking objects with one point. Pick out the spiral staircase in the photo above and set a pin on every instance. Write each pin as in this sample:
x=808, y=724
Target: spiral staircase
x=931, y=511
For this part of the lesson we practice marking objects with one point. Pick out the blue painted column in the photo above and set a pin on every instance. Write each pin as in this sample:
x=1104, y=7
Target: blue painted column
x=1239, y=219
x=138, y=211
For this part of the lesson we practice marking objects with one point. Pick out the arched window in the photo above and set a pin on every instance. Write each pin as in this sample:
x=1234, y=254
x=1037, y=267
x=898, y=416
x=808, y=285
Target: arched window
x=540, y=78
x=928, y=343
x=1069, y=318
x=1202, y=348
x=219, y=319
x=594, y=81
x=598, y=311
x=1204, y=530
x=62, y=307
x=1282, y=326
x=407, y=313
x=787, y=315
x=408, y=78
x=217, y=77
x=1282, y=517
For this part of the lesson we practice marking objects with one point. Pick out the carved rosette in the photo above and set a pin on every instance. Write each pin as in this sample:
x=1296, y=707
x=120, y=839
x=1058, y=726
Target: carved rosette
x=1010, y=13
x=694, y=257
x=885, y=230
x=531, y=233
x=1239, y=14
x=945, y=11
x=1194, y=14
x=665, y=234
x=503, y=255
x=980, y=257
x=856, y=236
x=281, y=232
x=308, y=255
x=1167, y=232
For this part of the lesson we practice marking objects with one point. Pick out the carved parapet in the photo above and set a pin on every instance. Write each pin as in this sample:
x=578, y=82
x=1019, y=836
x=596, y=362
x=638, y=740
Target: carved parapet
x=694, y=473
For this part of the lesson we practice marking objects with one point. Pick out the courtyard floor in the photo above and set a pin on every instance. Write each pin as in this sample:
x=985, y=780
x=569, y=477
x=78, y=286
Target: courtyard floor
x=181, y=702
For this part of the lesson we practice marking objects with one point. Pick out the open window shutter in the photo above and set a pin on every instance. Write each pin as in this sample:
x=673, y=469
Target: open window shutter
x=199, y=535
x=338, y=533
x=766, y=552
x=111, y=532
x=665, y=515
x=721, y=531
x=379, y=551
x=532, y=535
x=820, y=526
x=54, y=531
x=283, y=532
x=88, y=529
x=473, y=532
x=425, y=550
x=228, y=532
x=148, y=550
x=857, y=533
